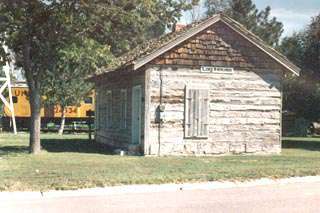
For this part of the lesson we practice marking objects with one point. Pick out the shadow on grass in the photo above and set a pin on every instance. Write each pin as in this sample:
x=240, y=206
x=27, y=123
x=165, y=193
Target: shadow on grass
x=6, y=150
x=85, y=146
x=301, y=144
x=60, y=145
x=73, y=145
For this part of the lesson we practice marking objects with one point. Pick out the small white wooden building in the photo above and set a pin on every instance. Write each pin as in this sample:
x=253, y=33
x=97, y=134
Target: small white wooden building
x=211, y=88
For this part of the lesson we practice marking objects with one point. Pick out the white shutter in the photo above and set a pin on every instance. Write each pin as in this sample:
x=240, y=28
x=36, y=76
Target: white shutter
x=97, y=110
x=108, y=110
x=189, y=115
x=196, y=112
x=103, y=109
x=123, y=109
x=110, y=121
x=204, y=113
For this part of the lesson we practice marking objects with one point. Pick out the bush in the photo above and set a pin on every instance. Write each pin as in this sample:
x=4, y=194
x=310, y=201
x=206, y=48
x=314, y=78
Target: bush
x=301, y=127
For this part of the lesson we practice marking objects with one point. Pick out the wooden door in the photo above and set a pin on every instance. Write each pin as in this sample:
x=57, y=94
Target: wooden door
x=136, y=115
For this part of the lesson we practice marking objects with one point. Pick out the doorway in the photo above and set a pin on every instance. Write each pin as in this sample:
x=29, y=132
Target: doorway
x=136, y=115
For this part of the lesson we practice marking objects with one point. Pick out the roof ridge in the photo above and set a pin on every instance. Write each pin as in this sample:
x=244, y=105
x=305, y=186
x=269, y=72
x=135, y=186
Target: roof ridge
x=242, y=27
x=257, y=39
x=167, y=36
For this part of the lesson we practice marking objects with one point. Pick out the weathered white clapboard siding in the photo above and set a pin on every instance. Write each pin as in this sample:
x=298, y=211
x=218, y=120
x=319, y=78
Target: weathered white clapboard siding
x=244, y=117
x=116, y=136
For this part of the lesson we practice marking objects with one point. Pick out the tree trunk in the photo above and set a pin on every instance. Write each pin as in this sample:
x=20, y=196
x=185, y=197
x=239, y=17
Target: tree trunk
x=35, y=122
x=63, y=120
x=33, y=81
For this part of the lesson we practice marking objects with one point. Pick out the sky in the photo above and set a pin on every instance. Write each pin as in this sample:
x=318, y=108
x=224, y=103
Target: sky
x=294, y=14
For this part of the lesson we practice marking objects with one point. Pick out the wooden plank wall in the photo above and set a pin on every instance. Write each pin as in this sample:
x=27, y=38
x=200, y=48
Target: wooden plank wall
x=115, y=136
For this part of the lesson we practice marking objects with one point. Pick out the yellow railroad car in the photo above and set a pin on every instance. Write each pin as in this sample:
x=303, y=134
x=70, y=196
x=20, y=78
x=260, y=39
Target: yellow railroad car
x=49, y=113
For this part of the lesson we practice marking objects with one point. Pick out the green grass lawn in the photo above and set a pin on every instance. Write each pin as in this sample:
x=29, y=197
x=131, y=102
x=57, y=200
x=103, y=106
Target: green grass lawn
x=71, y=162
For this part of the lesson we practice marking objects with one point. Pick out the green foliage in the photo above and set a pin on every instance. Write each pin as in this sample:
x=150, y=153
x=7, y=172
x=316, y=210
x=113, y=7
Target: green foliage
x=36, y=30
x=67, y=86
x=301, y=127
x=246, y=13
x=304, y=49
x=312, y=45
x=294, y=47
x=30, y=30
x=85, y=55
x=302, y=94
x=123, y=24
x=44, y=34
x=215, y=6
x=268, y=29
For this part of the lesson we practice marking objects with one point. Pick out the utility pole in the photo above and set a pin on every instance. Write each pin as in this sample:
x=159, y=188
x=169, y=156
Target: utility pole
x=5, y=82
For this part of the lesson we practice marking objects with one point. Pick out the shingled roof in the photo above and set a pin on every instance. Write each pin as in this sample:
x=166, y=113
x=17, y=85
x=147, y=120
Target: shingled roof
x=150, y=50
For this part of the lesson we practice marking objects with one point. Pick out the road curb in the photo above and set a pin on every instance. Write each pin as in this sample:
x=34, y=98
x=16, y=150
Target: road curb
x=136, y=189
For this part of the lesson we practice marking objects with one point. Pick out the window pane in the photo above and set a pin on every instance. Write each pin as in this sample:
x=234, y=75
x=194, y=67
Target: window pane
x=14, y=99
x=88, y=100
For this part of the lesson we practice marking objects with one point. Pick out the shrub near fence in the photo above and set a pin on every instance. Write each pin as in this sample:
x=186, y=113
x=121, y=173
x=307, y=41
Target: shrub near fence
x=295, y=126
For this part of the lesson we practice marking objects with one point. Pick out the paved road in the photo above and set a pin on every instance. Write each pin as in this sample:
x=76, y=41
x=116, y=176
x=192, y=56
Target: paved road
x=297, y=197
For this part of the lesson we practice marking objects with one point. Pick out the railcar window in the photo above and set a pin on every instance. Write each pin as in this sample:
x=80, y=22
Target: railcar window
x=14, y=99
x=88, y=100
x=89, y=113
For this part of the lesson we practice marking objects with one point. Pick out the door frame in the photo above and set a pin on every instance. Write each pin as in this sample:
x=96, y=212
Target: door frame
x=133, y=99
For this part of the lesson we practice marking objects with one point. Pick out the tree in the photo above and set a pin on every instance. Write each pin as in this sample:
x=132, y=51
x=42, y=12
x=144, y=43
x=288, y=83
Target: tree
x=312, y=47
x=68, y=85
x=215, y=6
x=246, y=13
x=124, y=24
x=154, y=16
x=302, y=94
x=36, y=30
x=294, y=48
x=195, y=13
x=30, y=30
x=268, y=29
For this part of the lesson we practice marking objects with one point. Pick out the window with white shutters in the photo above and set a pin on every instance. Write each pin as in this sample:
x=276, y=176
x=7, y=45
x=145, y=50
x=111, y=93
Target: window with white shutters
x=123, y=109
x=196, y=112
